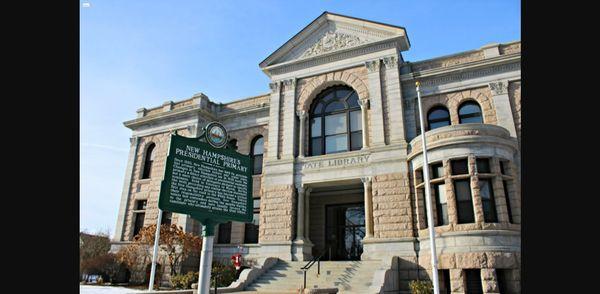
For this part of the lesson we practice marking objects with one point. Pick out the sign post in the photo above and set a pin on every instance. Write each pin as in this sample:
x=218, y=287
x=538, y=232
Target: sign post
x=211, y=183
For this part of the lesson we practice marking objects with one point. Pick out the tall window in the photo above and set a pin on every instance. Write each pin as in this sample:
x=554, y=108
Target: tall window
x=473, y=281
x=438, y=117
x=462, y=190
x=257, y=154
x=251, y=229
x=441, y=204
x=224, y=236
x=488, y=201
x=335, y=121
x=444, y=276
x=166, y=218
x=469, y=112
x=148, y=161
x=139, y=215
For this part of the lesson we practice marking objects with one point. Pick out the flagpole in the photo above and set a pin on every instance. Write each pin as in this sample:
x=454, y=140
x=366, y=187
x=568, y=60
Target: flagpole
x=430, y=225
x=155, y=253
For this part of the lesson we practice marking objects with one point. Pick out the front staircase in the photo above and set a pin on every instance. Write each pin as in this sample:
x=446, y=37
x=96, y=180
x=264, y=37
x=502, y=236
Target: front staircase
x=287, y=277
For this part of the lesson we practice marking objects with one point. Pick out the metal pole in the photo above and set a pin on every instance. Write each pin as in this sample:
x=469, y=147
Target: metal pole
x=206, y=257
x=436, y=286
x=155, y=253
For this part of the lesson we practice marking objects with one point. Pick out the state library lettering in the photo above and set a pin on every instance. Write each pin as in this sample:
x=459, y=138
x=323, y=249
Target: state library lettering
x=338, y=162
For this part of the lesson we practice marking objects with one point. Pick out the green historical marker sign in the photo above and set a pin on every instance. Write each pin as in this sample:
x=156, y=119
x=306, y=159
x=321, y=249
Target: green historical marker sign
x=211, y=184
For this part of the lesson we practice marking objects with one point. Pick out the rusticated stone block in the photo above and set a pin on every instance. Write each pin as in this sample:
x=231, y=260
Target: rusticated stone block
x=471, y=260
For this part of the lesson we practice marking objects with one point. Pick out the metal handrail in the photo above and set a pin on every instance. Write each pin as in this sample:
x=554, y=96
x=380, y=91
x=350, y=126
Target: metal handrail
x=307, y=266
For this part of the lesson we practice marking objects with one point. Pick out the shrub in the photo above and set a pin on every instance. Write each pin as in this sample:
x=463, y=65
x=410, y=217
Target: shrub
x=421, y=287
x=184, y=281
x=105, y=265
x=223, y=274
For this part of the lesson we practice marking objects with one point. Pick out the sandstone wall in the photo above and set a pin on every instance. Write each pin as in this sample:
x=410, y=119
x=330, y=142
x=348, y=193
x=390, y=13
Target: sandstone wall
x=392, y=217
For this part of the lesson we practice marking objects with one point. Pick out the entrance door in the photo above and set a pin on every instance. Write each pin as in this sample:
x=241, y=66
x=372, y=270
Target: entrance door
x=345, y=229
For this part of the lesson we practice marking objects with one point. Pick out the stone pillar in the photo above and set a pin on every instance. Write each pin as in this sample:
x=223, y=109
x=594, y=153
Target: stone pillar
x=457, y=282
x=368, y=207
x=119, y=228
x=489, y=281
x=273, y=141
x=475, y=193
x=501, y=101
x=289, y=119
x=302, y=132
x=393, y=94
x=301, y=247
x=364, y=105
x=300, y=214
x=307, y=215
x=374, y=78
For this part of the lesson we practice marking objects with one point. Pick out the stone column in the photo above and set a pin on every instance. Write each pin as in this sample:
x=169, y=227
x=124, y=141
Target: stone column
x=368, y=207
x=274, y=107
x=364, y=105
x=393, y=94
x=489, y=280
x=457, y=282
x=301, y=132
x=307, y=215
x=501, y=101
x=119, y=228
x=289, y=119
x=374, y=78
x=300, y=215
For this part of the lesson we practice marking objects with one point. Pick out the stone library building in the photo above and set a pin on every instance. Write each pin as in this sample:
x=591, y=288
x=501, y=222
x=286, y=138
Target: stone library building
x=338, y=163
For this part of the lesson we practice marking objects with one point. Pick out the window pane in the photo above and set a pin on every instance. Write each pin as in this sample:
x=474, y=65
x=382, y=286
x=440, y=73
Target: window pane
x=316, y=146
x=463, y=190
x=224, y=233
x=468, y=120
x=473, y=281
x=469, y=108
x=435, y=125
x=508, y=207
x=355, y=121
x=328, y=97
x=336, y=143
x=141, y=204
x=341, y=94
x=464, y=201
x=353, y=100
x=438, y=114
x=459, y=167
x=356, y=140
x=335, y=106
x=318, y=108
x=258, y=146
x=315, y=127
x=437, y=170
x=503, y=167
x=487, y=200
x=483, y=165
x=258, y=163
x=335, y=124
x=441, y=204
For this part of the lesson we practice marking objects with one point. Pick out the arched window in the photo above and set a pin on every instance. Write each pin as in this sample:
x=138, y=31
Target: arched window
x=469, y=112
x=438, y=117
x=148, y=161
x=335, y=121
x=257, y=153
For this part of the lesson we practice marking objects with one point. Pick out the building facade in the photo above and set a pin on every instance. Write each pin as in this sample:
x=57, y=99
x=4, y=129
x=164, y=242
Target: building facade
x=338, y=156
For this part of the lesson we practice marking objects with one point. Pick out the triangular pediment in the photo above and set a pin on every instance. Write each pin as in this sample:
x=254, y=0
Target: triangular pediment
x=331, y=33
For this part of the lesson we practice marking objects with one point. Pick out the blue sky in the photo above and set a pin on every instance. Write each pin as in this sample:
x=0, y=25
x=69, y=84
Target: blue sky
x=142, y=53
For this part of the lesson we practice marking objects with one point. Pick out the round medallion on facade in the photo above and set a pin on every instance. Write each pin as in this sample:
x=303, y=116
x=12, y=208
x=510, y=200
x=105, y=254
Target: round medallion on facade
x=216, y=135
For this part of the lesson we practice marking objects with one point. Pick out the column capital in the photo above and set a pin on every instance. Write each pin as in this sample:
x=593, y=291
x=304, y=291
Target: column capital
x=290, y=82
x=499, y=87
x=363, y=102
x=301, y=114
x=274, y=86
x=390, y=62
x=372, y=65
x=366, y=180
